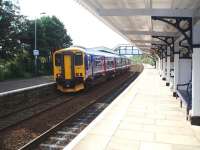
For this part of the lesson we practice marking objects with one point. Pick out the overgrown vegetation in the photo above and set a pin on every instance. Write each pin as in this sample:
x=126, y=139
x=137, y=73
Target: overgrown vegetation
x=147, y=59
x=17, y=35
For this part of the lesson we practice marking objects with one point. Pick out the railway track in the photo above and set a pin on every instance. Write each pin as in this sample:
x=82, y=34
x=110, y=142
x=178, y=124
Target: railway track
x=61, y=134
x=18, y=116
x=19, y=134
x=26, y=106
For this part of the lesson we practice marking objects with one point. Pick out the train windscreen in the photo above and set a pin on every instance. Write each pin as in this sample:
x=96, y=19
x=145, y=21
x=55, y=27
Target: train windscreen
x=78, y=59
x=58, y=59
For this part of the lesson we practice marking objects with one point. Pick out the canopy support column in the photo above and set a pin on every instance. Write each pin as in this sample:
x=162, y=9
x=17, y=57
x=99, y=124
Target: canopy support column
x=176, y=72
x=157, y=64
x=161, y=66
x=168, y=66
x=164, y=69
x=195, y=119
x=176, y=66
x=195, y=113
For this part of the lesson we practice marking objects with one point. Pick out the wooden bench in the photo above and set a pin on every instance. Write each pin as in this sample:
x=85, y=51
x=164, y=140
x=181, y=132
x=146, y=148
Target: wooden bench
x=185, y=96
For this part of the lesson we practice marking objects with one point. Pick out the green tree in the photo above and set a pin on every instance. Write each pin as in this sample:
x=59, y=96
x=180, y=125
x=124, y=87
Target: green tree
x=17, y=41
x=10, y=23
x=147, y=59
x=51, y=34
x=56, y=34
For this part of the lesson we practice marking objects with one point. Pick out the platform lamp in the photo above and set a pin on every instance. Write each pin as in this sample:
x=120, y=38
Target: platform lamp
x=35, y=51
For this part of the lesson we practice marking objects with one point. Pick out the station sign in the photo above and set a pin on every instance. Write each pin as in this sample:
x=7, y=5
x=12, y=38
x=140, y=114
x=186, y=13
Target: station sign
x=36, y=52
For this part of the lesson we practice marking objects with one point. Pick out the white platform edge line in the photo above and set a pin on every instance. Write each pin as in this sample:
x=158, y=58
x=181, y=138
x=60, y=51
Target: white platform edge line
x=76, y=140
x=26, y=88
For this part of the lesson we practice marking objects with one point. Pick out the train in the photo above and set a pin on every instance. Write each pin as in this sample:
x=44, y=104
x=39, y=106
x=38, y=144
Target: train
x=76, y=68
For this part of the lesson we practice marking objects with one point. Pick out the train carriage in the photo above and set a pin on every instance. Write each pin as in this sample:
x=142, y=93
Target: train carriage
x=76, y=67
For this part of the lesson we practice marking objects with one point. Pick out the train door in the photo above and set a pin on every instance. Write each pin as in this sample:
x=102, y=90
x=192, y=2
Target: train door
x=68, y=66
x=88, y=63
x=92, y=64
x=104, y=65
x=115, y=64
x=57, y=64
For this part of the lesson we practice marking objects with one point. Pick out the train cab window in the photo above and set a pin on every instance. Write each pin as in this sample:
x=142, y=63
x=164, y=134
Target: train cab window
x=78, y=59
x=58, y=59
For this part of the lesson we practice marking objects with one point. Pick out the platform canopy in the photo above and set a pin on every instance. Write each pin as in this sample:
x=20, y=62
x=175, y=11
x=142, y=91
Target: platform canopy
x=133, y=18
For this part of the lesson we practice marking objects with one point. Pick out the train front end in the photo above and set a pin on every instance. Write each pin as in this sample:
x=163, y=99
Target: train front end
x=69, y=69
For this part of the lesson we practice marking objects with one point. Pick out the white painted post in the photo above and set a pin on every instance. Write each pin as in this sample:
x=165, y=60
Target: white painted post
x=157, y=64
x=171, y=78
x=195, y=85
x=163, y=69
x=168, y=66
x=176, y=66
x=176, y=72
x=161, y=66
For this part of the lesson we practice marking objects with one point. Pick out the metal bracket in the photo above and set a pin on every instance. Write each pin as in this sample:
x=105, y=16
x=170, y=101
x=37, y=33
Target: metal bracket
x=184, y=25
x=161, y=50
x=168, y=40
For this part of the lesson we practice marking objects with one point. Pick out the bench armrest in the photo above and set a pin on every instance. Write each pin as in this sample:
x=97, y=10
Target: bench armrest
x=180, y=85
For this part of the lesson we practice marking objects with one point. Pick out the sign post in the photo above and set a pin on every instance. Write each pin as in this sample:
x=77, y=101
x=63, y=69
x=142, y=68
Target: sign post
x=36, y=54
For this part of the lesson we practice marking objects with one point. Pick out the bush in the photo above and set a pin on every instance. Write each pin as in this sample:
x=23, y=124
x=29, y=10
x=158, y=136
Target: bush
x=14, y=68
x=143, y=59
x=23, y=67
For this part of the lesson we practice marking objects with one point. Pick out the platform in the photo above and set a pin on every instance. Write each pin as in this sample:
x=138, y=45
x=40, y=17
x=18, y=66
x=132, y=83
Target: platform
x=144, y=117
x=12, y=85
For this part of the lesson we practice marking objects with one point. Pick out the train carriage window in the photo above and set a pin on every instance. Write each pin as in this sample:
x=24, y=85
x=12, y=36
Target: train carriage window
x=98, y=62
x=110, y=63
x=89, y=60
x=78, y=59
x=119, y=61
x=58, y=59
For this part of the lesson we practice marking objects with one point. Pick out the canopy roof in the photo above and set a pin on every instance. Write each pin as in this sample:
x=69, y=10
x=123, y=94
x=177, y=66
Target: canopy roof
x=133, y=18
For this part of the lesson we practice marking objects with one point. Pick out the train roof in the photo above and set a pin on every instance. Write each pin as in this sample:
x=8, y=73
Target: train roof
x=100, y=51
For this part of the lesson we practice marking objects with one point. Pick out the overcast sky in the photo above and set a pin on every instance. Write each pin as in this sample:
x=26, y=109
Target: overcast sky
x=85, y=29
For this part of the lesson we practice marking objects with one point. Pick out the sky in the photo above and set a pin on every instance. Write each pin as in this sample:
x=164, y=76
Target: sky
x=84, y=28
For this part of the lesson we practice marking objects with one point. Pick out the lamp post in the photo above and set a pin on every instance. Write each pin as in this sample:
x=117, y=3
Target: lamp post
x=35, y=51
